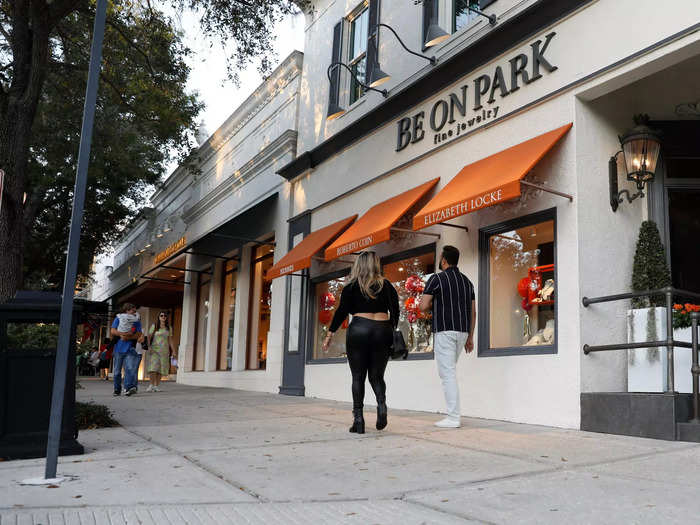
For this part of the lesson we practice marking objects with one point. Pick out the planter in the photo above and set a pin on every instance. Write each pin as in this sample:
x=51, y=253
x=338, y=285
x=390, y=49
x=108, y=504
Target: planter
x=647, y=367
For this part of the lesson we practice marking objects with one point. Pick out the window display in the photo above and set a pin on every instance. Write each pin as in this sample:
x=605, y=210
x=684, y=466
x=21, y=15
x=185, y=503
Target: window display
x=327, y=298
x=260, y=306
x=228, y=310
x=409, y=275
x=202, y=321
x=522, y=288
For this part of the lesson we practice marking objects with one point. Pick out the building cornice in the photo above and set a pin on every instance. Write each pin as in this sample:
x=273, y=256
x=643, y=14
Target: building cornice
x=282, y=145
x=504, y=36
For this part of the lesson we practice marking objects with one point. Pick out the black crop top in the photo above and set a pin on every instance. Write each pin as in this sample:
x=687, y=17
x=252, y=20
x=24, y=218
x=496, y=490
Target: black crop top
x=353, y=301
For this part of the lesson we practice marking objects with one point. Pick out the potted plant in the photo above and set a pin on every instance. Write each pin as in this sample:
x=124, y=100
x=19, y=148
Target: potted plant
x=647, y=367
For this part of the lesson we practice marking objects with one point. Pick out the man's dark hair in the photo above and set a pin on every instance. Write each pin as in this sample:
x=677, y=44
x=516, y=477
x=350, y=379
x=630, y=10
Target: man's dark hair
x=127, y=306
x=451, y=255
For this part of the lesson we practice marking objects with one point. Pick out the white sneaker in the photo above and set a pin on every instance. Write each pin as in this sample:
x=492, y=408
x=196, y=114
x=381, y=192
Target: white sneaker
x=156, y=389
x=150, y=388
x=448, y=422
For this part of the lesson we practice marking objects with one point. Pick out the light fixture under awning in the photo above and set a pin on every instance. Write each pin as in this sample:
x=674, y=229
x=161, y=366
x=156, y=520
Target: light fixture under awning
x=375, y=225
x=489, y=181
x=300, y=256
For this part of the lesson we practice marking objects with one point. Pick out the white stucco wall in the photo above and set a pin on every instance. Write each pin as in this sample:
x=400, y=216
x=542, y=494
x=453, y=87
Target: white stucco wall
x=594, y=246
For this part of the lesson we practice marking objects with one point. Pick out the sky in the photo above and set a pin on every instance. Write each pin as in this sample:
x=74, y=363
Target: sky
x=208, y=64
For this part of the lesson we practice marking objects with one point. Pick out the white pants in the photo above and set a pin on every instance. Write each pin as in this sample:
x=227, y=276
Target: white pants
x=448, y=346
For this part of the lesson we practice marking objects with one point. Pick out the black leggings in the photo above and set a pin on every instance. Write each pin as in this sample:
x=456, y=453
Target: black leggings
x=367, y=344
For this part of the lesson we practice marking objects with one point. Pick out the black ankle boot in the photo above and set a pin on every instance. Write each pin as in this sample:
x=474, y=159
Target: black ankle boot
x=358, y=423
x=381, y=414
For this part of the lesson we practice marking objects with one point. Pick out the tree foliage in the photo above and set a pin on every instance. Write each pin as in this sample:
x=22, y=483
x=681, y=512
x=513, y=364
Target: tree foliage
x=143, y=114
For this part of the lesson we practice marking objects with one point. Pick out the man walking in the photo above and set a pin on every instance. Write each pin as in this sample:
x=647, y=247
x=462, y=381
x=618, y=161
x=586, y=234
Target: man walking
x=127, y=327
x=451, y=295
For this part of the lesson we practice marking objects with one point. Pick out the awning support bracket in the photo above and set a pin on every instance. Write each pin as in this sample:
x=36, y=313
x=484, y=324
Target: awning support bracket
x=177, y=281
x=454, y=226
x=246, y=239
x=549, y=190
x=406, y=230
x=189, y=252
x=321, y=259
x=187, y=269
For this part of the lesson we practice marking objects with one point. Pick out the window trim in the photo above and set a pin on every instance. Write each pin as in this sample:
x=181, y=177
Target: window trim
x=200, y=284
x=483, y=305
x=387, y=259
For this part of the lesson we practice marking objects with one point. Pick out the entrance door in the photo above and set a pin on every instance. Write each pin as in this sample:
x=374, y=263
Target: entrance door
x=681, y=143
x=684, y=236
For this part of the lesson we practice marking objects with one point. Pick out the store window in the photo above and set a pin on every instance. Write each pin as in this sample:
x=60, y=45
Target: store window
x=327, y=298
x=517, y=292
x=228, y=311
x=408, y=272
x=260, y=306
x=202, y=321
x=357, y=51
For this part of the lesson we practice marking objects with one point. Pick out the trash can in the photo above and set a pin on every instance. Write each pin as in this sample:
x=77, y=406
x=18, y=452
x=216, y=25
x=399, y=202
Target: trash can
x=28, y=346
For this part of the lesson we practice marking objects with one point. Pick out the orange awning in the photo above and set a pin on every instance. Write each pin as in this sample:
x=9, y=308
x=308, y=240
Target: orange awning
x=375, y=225
x=488, y=181
x=300, y=256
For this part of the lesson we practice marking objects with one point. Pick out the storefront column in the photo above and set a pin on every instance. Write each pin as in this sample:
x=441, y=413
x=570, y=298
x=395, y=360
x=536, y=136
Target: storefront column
x=213, y=326
x=240, y=346
x=189, y=311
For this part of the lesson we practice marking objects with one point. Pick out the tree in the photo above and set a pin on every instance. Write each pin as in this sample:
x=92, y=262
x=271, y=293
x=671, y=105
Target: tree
x=143, y=112
x=650, y=271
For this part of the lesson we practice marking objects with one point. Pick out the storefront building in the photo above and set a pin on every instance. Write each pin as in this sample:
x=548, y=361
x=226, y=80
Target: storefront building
x=201, y=250
x=499, y=146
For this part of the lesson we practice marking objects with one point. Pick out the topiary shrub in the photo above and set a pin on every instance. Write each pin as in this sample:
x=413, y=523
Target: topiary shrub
x=90, y=415
x=650, y=271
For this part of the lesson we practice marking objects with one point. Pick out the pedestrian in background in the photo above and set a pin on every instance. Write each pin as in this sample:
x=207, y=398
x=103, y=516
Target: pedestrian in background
x=450, y=294
x=374, y=305
x=160, y=350
x=125, y=355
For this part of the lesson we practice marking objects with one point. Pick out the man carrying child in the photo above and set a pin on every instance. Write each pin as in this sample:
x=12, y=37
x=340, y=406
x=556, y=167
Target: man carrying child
x=126, y=330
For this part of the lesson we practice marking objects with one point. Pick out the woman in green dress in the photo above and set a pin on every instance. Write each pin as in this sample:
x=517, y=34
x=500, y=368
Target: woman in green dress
x=160, y=343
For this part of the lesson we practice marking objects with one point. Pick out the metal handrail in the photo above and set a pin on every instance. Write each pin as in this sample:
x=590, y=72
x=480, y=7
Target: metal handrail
x=669, y=292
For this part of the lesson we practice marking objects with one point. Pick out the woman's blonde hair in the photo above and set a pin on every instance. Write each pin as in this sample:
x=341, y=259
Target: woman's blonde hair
x=367, y=272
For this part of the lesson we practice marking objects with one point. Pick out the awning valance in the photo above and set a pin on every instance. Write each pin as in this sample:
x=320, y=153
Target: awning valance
x=375, y=225
x=300, y=256
x=488, y=181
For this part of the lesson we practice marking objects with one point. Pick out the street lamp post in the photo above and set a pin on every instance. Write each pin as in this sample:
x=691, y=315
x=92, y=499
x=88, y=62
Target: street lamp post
x=59, y=377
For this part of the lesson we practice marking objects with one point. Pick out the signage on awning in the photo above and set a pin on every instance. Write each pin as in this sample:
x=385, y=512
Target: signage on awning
x=375, y=225
x=488, y=181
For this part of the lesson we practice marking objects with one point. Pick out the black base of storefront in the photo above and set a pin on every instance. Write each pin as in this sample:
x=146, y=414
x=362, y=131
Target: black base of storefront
x=31, y=450
x=292, y=390
x=649, y=415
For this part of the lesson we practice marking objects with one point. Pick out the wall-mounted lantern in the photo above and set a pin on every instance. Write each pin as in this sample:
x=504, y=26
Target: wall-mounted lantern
x=640, y=147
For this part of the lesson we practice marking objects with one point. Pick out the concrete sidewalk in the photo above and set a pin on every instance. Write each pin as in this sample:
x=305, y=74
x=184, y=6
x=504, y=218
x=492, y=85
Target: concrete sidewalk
x=203, y=455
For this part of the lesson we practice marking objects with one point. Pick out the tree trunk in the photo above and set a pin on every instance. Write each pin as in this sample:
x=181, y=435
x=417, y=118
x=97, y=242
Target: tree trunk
x=18, y=107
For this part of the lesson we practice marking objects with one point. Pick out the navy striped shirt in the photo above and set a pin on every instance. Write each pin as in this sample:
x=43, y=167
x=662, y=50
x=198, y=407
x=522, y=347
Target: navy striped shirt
x=453, y=294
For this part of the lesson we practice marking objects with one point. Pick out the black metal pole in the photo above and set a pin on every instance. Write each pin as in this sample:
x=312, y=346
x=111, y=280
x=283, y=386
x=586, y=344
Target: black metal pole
x=59, y=376
x=670, y=387
x=695, y=369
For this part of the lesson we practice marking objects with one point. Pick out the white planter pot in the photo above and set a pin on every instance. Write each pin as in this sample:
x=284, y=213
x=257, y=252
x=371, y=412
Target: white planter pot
x=647, y=367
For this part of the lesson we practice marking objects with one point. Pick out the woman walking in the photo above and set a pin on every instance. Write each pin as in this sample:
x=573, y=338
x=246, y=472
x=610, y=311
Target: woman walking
x=374, y=305
x=159, y=351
